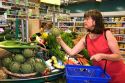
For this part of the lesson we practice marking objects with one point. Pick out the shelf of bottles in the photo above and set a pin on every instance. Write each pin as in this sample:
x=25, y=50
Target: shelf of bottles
x=116, y=24
x=17, y=9
x=71, y=22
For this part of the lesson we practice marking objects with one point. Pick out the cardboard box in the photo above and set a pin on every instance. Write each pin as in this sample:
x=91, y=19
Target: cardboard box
x=34, y=26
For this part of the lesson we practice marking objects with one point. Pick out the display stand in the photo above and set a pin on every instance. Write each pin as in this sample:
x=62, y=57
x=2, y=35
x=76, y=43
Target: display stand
x=42, y=79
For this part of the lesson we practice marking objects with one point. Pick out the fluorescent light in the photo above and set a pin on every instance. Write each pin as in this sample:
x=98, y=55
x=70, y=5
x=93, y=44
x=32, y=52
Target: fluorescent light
x=99, y=0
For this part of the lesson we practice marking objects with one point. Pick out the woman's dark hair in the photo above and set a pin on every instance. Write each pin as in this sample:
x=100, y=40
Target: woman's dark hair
x=99, y=22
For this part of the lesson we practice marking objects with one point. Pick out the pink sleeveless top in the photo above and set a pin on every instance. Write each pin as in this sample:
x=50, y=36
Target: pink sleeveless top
x=116, y=69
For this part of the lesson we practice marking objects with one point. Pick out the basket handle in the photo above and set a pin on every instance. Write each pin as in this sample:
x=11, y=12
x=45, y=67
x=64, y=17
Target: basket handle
x=105, y=65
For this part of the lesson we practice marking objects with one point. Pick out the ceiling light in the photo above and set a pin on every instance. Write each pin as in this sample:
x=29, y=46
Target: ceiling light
x=99, y=0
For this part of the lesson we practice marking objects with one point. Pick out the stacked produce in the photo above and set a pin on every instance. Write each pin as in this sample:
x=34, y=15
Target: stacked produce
x=25, y=58
x=24, y=63
x=22, y=60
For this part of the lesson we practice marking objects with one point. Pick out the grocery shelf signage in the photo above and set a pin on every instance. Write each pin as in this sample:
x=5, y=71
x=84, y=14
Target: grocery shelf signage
x=55, y=2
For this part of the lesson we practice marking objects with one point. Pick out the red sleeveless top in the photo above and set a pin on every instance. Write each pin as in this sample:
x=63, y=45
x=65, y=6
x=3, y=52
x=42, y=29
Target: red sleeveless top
x=116, y=69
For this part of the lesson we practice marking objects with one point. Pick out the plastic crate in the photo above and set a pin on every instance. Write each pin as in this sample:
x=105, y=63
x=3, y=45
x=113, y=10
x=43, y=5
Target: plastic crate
x=86, y=74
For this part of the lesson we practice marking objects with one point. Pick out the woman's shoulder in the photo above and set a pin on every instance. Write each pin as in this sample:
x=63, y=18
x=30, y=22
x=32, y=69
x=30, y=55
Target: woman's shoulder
x=108, y=33
x=109, y=36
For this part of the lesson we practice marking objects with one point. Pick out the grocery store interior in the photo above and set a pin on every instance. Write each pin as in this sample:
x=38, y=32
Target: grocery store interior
x=29, y=47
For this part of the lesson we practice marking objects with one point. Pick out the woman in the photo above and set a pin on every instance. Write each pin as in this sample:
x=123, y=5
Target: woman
x=101, y=45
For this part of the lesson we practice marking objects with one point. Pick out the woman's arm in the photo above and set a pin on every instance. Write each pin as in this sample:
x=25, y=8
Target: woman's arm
x=76, y=49
x=113, y=45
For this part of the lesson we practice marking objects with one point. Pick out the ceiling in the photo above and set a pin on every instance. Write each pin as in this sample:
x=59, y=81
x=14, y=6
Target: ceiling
x=71, y=1
x=77, y=1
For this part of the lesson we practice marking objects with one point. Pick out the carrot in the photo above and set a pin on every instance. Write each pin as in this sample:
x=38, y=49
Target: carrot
x=83, y=61
x=79, y=60
x=69, y=62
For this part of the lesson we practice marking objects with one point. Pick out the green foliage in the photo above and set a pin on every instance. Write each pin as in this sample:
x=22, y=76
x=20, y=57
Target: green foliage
x=54, y=47
x=68, y=37
x=51, y=41
x=86, y=55
x=58, y=53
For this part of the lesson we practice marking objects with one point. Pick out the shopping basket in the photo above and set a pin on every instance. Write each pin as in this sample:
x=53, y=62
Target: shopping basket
x=86, y=74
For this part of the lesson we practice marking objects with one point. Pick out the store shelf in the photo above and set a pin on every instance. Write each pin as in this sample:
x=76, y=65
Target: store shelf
x=75, y=24
x=122, y=48
x=121, y=41
x=115, y=22
x=119, y=34
x=117, y=26
x=3, y=25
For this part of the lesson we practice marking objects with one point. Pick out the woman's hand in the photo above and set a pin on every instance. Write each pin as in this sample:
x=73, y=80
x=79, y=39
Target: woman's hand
x=59, y=39
x=98, y=57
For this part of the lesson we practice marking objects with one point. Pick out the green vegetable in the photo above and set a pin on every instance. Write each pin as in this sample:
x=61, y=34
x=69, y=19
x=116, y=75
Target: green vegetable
x=19, y=58
x=39, y=67
x=6, y=61
x=26, y=68
x=68, y=37
x=31, y=61
x=55, y=31
x=16, y=44
x=85, y=53
x=14, y=67
x=28, y=53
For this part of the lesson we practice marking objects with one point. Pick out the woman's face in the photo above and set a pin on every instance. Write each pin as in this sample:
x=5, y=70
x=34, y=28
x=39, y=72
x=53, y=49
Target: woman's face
x=89, y=23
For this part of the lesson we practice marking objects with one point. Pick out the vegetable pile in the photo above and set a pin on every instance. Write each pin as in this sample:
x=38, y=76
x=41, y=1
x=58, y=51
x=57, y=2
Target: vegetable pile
x=24, y=63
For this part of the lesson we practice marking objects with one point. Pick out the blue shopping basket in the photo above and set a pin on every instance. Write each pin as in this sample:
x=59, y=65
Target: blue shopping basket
x=86, y=74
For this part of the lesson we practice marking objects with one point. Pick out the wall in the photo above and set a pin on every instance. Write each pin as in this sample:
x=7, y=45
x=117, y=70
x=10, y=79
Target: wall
x=108, y=5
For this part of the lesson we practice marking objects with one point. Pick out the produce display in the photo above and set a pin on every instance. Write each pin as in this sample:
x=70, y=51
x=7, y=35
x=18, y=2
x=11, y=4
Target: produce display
x=38, y=58
x=23, y=61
